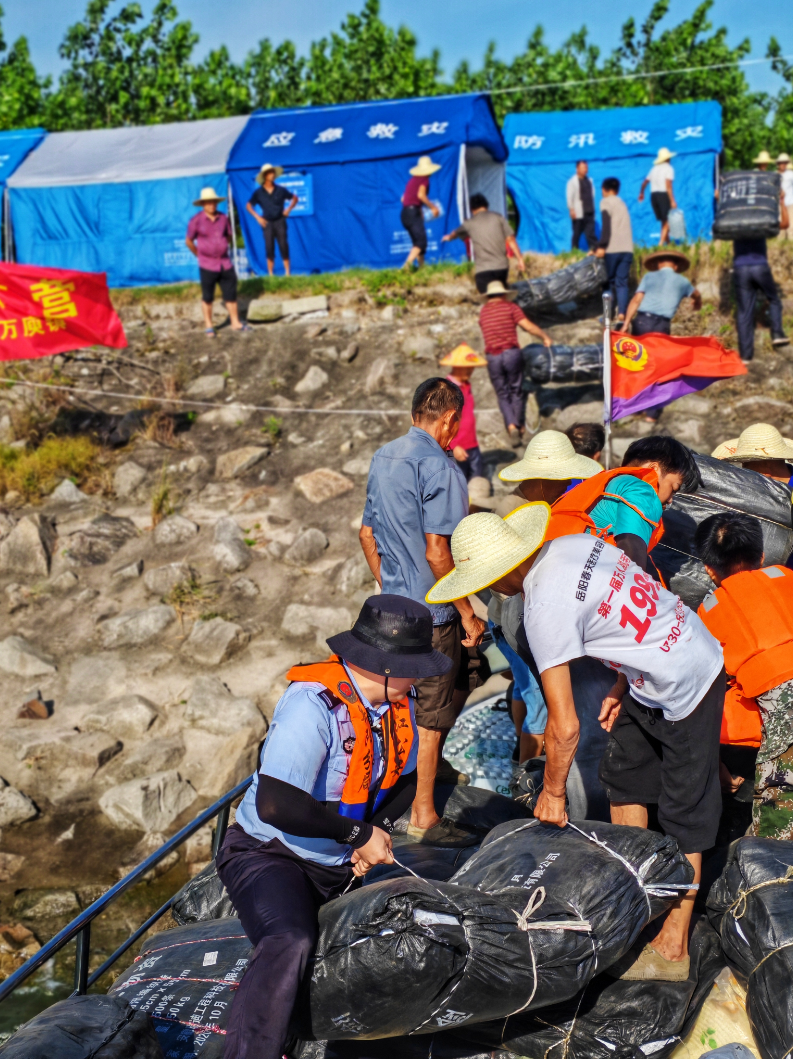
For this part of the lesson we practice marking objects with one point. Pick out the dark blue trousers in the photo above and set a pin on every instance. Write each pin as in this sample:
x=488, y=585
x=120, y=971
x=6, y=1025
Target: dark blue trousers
x=749, y=279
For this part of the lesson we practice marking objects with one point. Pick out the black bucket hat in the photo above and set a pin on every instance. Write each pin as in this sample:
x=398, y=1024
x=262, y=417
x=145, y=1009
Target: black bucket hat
x=392, y=637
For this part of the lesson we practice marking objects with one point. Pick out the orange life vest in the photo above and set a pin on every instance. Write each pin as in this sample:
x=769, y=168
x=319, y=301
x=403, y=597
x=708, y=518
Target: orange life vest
x=397, y=737
x=570, y=513
x=741, y=724
x=751, y=615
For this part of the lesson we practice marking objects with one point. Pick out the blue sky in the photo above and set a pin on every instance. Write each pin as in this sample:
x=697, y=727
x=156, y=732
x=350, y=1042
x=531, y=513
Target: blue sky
x=461, y=29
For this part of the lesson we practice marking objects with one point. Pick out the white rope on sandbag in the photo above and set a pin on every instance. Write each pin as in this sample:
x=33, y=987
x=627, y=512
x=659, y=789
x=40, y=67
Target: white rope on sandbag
x=651, y=890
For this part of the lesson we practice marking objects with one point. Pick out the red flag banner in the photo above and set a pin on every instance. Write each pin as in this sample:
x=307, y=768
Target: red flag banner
x=44, y=311
x=655, y=369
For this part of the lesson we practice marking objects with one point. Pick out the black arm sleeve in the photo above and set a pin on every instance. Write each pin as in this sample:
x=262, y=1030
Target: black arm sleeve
x=294, y=811
x=394, y=805
x=634, y=547
x=605, y=230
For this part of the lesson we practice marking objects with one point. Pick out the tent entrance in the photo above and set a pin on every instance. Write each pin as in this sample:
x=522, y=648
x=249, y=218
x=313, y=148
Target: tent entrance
x=486, y=176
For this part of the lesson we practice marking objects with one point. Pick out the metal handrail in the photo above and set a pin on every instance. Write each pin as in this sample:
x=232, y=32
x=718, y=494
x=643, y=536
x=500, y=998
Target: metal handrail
x=80, y=926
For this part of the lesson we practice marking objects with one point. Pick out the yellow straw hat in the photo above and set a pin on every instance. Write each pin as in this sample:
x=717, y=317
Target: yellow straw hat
x=486, y=547
x=664, y=155
x=764, y=158
x=277, y=169
x=424, y=167
x=760, y=441
x=550, y=454
x=463, y=356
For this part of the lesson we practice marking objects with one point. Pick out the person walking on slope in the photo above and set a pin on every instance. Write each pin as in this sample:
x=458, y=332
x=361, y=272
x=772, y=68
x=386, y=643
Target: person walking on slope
x=586, y=597
x=338, y=767
x=750, y=612
x=499, y=320
x=414, y=198
x=465, y=447
x=616, y=243
x=662, y=196
x=490, y=235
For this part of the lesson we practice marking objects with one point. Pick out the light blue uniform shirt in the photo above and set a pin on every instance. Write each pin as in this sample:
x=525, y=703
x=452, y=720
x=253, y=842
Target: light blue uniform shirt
x=622, y=518
x=414, y=488
x=305, y=746
x=663, y=292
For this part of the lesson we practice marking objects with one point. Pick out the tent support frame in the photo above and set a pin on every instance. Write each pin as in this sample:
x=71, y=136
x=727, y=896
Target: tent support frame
x=607, y=447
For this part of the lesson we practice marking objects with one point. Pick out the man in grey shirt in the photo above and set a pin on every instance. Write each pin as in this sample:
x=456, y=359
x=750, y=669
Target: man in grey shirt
x=490, y=235
x=415, y=497
x=616, y=243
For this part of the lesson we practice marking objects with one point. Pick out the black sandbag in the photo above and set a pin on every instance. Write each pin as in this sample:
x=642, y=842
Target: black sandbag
x=202, y=897
x=86, y=1027
x=748, y=206
x=576, y=364
x=479, y=810
x=724, y=487
x=576, y=282
x=608, y=1018
x=412, y=956
x=185, y=979
x=751, y=905
x=416, y=858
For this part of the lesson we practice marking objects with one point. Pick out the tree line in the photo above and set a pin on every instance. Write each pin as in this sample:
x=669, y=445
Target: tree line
x=124, y=70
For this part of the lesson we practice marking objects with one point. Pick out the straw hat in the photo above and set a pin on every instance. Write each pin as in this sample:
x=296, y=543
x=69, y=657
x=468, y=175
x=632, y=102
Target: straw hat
x=486, y=547
x=550, y=454
x=782, y=158
x=479, y=493
x=277, y=169
x=208, y=195
x=760, y=441
x=496, y=289
x=764, y=158
x=664, y=155
x=652, y=261
x=463, y=356
x=424, y=167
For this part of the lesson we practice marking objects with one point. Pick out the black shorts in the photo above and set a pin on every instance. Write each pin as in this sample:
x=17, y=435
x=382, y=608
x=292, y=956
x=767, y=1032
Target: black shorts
x=276, y=232
x=675, y=764
x=659, y=200
x=481, y=279
x=435, y=708
x=227, y=278
x=412, y=218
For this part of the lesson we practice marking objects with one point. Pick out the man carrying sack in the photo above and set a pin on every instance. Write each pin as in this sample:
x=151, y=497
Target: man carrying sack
x=338, y=768
x=586, y=597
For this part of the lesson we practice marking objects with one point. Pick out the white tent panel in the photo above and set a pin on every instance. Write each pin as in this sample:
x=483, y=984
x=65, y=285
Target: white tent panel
x=120, y=156
x=487, y=177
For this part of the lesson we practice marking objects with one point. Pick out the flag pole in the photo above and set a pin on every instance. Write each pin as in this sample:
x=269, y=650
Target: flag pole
x=607, y=378
x=233, y=222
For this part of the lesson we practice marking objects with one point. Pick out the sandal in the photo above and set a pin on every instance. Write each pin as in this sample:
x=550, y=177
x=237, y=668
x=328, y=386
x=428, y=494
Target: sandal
x=210, y=332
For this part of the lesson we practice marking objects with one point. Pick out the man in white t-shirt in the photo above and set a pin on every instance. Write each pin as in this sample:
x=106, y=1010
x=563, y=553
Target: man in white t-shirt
x=662, y=196
x=586, y=597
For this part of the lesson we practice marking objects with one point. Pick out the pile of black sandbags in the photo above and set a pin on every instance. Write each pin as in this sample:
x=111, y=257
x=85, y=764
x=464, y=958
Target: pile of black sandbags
x=751, y=905
x=608, y=1018
x=568, y=364
x=576, y=283
x=748, y=206
x=724, y=487
x=86, y=1027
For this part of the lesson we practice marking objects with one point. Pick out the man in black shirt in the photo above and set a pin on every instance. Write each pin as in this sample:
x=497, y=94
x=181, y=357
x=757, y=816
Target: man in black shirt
x=270, y=198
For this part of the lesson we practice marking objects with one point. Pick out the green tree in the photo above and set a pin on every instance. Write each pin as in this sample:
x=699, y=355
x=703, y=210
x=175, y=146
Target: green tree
x=276, y=76
x=22, y=91
x=369, y=60
x=120, y=74
x=220, y=86
x=781, y=138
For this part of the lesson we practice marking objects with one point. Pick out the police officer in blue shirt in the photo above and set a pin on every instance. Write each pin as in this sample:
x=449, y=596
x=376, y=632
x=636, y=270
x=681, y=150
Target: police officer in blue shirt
x=337, y=769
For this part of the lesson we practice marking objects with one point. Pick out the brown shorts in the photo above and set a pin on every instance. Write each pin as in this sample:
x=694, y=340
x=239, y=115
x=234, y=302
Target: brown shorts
x=434, y=695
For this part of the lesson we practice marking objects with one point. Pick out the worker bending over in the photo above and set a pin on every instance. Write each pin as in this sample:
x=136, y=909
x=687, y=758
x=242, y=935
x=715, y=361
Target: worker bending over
x=586, y=597
x=751, y=614
x=337, y=769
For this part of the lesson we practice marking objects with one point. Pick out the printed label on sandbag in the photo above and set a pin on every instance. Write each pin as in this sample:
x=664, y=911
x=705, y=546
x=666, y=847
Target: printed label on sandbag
x=452, y=1018
x=210, y=958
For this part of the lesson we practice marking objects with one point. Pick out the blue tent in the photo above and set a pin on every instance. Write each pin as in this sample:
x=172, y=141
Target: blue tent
x=118, y=200
x=15, y=146
x=349, y=166
x=544, y=147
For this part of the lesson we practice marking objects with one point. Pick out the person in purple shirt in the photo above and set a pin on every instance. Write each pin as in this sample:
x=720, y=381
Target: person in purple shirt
x=208, y=236
x=414, y=199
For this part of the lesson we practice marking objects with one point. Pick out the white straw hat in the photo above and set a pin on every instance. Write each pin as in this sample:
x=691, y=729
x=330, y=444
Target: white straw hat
x=764, y=158
x=496, y=289
x=424, y=167
x=664, y=155
x=760, y=441
x=550, y=454
x=277, y=169
x=784, y=157
x=208, y=195
x=486, y=547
